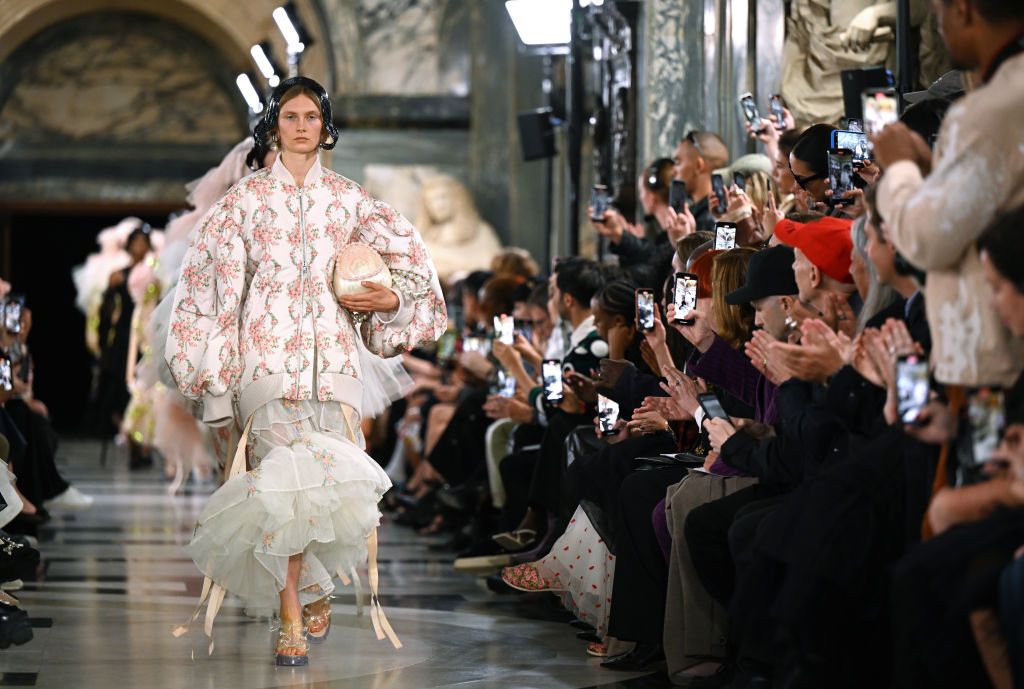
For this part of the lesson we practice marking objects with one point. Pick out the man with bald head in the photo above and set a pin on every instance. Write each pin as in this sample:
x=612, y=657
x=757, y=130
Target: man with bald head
x=697, y=156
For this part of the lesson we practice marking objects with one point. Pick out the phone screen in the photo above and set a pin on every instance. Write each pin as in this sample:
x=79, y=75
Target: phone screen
x=12, y=314
x=911, y=387
x=645, y=309
x=986, y=412
x=855, y=124
x=600, y=201
x=607, y=414
x=880, y=109
x=857, y=142
x=551, y=372
x=684, y=297
x=718, y=188
x=712, y=406
x=775, y=103
x=6, y=380
x=505, y=329
x=477, y=344
x=725, y=236
x=525, y=328
x=740, y=181
x=677, y=195
x=840, y=174
x=750, y=112
x=504, y=385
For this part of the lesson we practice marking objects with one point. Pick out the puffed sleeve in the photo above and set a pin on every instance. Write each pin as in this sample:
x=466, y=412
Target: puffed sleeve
x=421, y=317
x=202, y=343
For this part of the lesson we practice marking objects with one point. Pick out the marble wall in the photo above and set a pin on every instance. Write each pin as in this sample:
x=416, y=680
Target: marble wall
x=408, y=47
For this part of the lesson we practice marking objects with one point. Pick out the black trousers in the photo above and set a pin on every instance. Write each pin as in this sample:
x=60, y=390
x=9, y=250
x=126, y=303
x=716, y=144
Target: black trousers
x=516, y=474
x=546, y=483
x=707, y=535
x=641, y=573
x=36, y=469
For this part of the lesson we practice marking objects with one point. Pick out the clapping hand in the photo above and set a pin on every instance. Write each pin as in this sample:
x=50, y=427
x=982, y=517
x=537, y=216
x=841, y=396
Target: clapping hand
x=759, y=350
x=683, y=390
x=820, y=354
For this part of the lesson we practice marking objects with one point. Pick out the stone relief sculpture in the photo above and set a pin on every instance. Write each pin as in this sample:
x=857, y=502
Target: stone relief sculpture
x=824, y=37
x=458, y=238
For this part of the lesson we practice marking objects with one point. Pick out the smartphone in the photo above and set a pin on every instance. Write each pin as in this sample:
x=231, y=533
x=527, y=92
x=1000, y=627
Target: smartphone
x=6, y=379
x=446, y=345
x=855, y=124
x=725, y=236
x=504, y=384
x=677, y=195
x=13, y=307
x=857, y=142
x=600, y=201
x=607, y=415
x=840, y=175
x=775, y=105
x=525, y=328
x=551, y=374
x=684, y=297
x=881, y=108
x=645, y=309
x=718, y=189
x=855, y=81
x=986, y=413
x=740, y=181
x=26, y=368
x=505, y=329
x=911, y=386
x=750, y=112
x=712, y=407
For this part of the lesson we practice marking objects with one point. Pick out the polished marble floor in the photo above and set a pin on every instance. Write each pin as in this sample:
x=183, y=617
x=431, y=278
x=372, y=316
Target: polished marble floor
x=115, y=581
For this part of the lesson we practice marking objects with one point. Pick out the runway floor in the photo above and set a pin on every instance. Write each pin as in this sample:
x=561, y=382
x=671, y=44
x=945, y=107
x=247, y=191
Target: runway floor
x=115, y=582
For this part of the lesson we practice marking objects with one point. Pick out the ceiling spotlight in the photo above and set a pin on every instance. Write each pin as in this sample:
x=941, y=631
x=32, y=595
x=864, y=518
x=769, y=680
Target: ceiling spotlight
x=249, y=93
x=541, y=22
x=290, y=27
x=262, y=56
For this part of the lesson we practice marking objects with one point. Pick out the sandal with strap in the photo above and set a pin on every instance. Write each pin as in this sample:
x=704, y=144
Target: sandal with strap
x=317, y=618
x=292, y=648
x=526, y=577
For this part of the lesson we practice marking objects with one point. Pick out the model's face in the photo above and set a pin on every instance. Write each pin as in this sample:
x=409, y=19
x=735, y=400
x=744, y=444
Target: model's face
x=138, y=248
x=299, y=126
x=1007, y=300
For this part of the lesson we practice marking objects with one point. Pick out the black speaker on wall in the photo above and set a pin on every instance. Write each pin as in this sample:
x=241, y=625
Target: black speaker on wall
x=537, y=134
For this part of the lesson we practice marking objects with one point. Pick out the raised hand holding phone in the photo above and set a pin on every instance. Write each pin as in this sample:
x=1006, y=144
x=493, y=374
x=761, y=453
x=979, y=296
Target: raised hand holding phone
x=699, y=333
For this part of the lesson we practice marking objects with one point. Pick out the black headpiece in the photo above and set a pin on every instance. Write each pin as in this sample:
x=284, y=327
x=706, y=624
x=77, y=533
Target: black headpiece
x=261, y=132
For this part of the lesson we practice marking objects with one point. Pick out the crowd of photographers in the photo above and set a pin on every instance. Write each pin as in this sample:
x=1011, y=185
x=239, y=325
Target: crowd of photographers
x=775, y=440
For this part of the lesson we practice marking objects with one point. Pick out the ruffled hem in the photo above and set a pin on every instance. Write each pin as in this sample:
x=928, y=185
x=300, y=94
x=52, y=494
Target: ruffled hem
x=317, y=496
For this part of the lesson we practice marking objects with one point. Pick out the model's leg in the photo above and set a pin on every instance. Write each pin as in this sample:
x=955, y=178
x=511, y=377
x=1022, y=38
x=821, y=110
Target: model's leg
x=292, y=639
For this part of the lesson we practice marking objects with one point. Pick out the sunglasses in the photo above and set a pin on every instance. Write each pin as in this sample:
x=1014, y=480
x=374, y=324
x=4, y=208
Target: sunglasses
x=802, y=182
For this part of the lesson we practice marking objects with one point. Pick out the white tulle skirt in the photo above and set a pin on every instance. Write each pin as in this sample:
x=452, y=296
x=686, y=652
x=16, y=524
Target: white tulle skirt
x=310, y=490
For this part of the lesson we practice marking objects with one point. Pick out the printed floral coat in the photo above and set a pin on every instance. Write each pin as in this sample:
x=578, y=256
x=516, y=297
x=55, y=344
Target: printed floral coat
x=254, y=316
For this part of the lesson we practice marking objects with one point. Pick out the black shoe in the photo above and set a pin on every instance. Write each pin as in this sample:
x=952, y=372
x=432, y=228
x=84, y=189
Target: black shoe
x=465, y=498
x=15, y=627
x=640, y=658
x=722, y=678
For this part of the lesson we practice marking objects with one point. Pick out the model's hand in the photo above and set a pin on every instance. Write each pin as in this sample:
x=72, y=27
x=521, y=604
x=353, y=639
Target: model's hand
x=380, y=299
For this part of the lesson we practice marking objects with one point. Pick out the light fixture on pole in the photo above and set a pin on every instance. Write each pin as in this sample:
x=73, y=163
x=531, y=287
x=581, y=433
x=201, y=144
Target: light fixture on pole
x=541, y=22
x=264, y=60
x=296, y=38
x=252, y=97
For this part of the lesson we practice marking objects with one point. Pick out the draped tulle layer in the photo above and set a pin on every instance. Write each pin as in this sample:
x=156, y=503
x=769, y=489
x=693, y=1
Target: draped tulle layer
x=313, y=492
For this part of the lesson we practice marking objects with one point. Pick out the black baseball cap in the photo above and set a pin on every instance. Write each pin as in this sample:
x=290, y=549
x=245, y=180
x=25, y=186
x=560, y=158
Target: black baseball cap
x=770, y=274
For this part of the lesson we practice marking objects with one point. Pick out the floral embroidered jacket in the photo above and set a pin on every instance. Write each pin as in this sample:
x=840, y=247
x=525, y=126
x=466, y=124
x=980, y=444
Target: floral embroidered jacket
x=254, y=316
